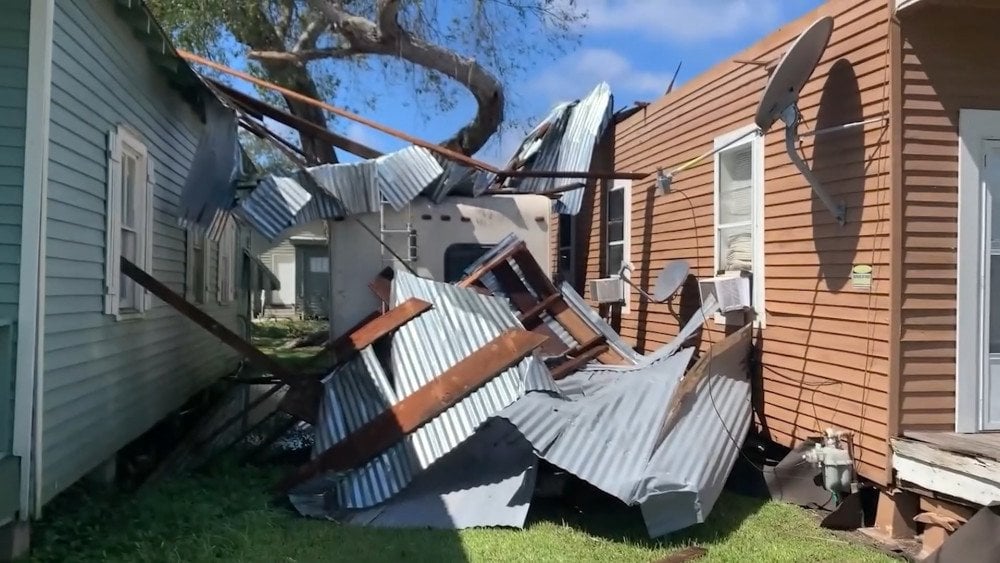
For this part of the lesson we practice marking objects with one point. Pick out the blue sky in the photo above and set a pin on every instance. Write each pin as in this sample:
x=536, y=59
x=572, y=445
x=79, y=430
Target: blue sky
x=634, y=45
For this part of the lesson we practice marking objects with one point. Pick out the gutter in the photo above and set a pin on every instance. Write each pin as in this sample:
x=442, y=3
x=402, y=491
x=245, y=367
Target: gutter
x=28, y=384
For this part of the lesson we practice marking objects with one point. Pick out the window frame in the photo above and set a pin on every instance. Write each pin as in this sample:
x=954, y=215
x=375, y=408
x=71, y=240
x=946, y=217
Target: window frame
x=569, y=246
x=226, y=250
x=123, y=143
x=192, y=294
x=610, y=270
x=757, y=279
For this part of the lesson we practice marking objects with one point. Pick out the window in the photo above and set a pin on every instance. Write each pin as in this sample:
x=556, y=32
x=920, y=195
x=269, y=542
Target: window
x=460, y=256
x=197, y=268
x=616, y=219
x=129, y=222
x=227, y=251
x=567, y=250
x=739, y=208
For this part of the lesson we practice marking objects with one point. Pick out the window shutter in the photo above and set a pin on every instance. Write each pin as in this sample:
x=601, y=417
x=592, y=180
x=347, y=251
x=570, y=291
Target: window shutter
x=189, y=277
x=112, y=247
x=147, y=255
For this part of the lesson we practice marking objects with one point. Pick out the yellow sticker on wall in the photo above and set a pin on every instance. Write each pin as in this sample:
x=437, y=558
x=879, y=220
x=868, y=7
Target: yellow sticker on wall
x=861, y=276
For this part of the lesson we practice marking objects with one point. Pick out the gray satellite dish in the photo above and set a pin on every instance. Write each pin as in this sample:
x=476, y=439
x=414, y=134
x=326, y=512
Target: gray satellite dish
x=781, y=96
x=671, y=279
x=792, y=73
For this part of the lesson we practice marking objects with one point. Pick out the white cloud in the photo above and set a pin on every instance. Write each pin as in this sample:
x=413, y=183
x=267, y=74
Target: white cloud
x=578, y=73
x=681, y=21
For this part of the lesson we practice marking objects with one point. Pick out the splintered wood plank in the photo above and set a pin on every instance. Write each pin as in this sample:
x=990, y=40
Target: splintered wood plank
x=421, y=406
x=983, y=445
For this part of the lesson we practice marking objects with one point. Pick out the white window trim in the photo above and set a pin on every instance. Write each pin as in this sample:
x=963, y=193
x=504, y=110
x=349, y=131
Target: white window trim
x=975, y=128
x=757, y=220
x=189, y=293
x=626, y=243
x=226, y=246
x=117, y=139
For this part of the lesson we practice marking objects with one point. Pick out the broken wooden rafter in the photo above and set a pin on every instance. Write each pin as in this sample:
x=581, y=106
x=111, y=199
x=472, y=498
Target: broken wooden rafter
x=423, y=405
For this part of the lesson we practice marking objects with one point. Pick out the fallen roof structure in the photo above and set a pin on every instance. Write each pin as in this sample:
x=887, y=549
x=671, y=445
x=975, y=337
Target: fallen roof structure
x=653, y=431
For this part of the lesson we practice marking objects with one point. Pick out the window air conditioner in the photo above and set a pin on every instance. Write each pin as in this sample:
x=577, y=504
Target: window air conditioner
x=731, y=290
x=607, y=290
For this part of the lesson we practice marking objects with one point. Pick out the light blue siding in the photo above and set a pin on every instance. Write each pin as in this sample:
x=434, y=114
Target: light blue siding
x=106, y=382
x=13, y=95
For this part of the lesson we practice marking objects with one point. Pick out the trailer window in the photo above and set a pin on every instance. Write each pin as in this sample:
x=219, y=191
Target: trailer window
x=458, y=257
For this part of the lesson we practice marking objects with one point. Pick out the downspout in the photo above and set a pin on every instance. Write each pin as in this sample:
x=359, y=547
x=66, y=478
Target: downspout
x=27, y=443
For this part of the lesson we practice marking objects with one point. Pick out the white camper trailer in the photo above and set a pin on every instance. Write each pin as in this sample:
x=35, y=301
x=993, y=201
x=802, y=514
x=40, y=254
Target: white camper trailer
x=437, y=241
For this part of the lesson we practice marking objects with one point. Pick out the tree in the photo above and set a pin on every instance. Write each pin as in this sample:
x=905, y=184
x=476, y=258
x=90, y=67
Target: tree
x=442, y=46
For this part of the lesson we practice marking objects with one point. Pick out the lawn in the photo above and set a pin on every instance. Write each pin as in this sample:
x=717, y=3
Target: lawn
x=228, y=515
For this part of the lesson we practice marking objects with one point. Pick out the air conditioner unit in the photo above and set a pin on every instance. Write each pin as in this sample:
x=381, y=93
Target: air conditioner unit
x=731, y=290
x=607, y=290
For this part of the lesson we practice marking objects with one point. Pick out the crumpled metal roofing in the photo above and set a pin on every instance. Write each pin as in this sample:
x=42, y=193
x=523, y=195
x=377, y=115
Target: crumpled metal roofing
x=272, y=206
x=488, y=480
x=674, y=474
x=460, y=322
x=209, y=190
x=565, y=140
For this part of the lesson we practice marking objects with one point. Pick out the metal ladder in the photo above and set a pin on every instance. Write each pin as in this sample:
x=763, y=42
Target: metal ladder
x=391, y=233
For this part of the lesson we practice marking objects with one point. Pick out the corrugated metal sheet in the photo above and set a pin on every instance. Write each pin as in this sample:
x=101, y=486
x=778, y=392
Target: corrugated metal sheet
x=564, y=141
x=402, y=175
x=354, y=185
x=675, y=474
x=271, y=207
x=209, y=190
x=461, y=322
x=487, y=481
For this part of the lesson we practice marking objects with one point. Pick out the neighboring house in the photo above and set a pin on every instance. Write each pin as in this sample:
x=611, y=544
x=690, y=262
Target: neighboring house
x=98, y=125
x=914, y=355
x=292, y=262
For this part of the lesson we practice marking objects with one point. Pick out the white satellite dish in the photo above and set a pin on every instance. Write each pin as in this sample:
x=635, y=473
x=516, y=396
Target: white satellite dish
x=781, y=97
x=670, y=279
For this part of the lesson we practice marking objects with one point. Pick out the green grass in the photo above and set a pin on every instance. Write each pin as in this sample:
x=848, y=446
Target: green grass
x=227, y=515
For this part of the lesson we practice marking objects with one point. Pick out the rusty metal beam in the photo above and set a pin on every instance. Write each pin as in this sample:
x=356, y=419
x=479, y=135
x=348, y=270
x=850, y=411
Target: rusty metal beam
x=423, y=405
x=443, y=151
x=303, y=126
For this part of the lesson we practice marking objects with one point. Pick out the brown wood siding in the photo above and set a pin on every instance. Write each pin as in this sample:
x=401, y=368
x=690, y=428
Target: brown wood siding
x=825, y=348
x=943, y=68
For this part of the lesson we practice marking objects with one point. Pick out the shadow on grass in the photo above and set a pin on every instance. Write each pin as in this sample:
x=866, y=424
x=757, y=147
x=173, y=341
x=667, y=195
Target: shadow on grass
x=595, y=513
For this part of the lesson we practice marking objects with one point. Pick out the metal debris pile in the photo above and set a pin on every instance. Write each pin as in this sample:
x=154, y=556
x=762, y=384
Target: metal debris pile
x=565, y=140
x=440, y=418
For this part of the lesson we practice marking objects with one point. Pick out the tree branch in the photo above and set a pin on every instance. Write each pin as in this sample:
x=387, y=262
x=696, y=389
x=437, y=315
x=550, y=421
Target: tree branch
x=388, y=38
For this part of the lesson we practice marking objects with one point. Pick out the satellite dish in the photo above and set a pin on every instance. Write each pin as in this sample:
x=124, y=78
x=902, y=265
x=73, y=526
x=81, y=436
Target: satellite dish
x=781, y=97
x=671, y=279
x=792, y=73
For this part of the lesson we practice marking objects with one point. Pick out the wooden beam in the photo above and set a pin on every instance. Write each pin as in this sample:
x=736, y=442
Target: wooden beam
x=366, y=335
x=205, y=321
x=572, y=365
x=523, y=300
x=423, y=405
x=539, y=308
x=475, y=276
